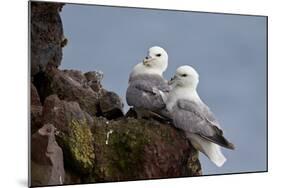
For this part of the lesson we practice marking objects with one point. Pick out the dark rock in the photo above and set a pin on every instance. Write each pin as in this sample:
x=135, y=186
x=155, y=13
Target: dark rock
x=71, y=177
x=111, y=105
x=130, y=149
x=74, y=135
x=64, y=42
x=77, y=76
x=47, y=166
x=42, y=84
x=34, y=99
x=46, y=35
x=69, y=86
x=35, y=110
x=150, y=115
x=36, y=118
x=94, y=80
x=193, y=163
x=54, y=112
x=131, y=113
x=60, y=113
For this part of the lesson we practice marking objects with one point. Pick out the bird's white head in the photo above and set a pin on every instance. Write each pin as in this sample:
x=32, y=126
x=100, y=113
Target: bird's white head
x=156, y=62
x=185, y=76
x=157, y=58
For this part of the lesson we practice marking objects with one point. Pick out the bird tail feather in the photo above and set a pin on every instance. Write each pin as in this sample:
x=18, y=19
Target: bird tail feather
x=211, y=150
x=215, y=155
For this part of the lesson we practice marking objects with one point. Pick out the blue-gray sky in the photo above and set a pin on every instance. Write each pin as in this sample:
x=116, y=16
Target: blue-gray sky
x=228, y=51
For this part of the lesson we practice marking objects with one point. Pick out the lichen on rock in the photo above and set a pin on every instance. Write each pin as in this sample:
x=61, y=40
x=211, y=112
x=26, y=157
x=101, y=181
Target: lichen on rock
x=73, y=132
x=78, y=146
x=126, y=151
x=140, y=149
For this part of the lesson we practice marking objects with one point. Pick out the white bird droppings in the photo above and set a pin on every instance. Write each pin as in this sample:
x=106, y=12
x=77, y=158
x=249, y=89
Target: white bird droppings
x=107, y=136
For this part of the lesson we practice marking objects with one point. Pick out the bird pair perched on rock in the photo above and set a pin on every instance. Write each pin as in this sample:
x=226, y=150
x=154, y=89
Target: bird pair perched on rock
x=149, y=93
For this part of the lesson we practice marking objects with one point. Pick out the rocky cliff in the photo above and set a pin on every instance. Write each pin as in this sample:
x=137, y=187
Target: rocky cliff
x=79, y=133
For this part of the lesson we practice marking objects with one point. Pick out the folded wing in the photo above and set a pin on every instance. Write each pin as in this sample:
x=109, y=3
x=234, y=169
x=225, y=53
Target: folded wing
x=146, y=92
x=198, y=119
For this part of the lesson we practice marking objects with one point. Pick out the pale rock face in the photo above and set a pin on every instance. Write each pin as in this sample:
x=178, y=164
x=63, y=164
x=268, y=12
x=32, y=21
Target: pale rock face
x=47, y=158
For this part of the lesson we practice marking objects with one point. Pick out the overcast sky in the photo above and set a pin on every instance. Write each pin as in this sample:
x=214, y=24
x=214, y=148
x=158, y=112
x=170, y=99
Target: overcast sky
x=228, y=51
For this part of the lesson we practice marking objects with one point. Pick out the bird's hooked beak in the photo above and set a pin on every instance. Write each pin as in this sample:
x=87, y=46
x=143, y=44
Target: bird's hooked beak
x=173, y=79
x=147, y=60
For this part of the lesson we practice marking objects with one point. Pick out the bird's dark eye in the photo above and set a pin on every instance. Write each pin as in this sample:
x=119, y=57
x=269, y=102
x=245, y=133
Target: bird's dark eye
x=184, y=75
x=158, y=55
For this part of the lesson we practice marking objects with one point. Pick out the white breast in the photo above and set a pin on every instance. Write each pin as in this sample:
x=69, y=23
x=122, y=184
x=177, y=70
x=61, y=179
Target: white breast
x=181, y=93
x=141, y=69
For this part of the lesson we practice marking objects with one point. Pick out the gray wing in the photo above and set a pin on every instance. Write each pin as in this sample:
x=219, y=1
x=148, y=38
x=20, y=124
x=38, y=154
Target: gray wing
x=209, y=115
x=143, y=92
x=202, y=108
x=197, y=119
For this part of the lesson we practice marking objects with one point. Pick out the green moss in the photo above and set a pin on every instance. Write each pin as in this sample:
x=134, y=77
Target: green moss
x=126, y=152
x=123, y=148
x=121, y=153
x=79, y=145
